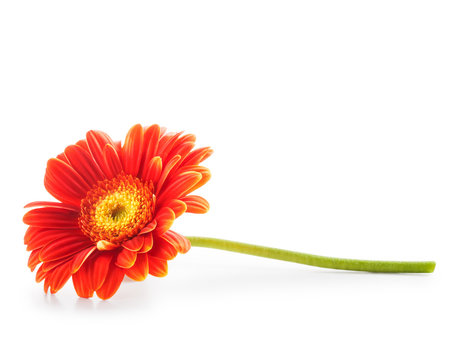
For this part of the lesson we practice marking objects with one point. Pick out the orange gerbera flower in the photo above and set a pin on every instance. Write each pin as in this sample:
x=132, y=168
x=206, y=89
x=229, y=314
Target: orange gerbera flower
x=116, y=206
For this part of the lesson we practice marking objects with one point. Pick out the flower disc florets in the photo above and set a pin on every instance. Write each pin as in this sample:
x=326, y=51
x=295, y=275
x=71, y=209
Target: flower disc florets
x=116, y=210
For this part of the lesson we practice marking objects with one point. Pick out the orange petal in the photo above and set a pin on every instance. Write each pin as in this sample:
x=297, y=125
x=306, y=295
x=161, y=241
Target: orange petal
x=196, y=204
x=180, y=186
x=104, y=245
x=139, y=270
x=134, y=244
x=151, y=140
x=157, y=267
x=132, y=150
x=148, y=243
x=47, y=283
x=60, y=275
x=148, y=228
x=44, y=236
x=111, y=160
x=183, y=146
x=64, y=183
x=50, y=217
x=39, y=237
x=164, y=219
x=206, y=175
x=126, y=258
x=166, y=170
x=197, y=156
x=162, y=249
x=83, y=143
x=63, y=247
x=34, y=260
x=96, y=141
x=152, y=170
x=84, y=164
x=166, y=143
x=52, y=204
x=80, y=258
x=81, y=282
x=99, y=268
x=50, y=265
x=40, y=274
x=112, y=282
x=179, y=241
x=31, y=232
x=62, y=157
x=205, y=172
x=178, y=206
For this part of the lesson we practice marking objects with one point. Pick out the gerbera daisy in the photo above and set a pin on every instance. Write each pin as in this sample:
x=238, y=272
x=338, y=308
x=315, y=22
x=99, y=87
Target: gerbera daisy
x=116, y=206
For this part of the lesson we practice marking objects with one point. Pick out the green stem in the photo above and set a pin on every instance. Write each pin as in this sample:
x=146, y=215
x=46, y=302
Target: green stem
x=315, y=260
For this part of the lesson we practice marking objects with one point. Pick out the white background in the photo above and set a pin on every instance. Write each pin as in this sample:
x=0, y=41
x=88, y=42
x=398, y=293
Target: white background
x=330, y=125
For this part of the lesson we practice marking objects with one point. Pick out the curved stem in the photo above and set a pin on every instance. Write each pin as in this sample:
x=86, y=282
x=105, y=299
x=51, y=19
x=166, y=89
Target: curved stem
x=315, y=260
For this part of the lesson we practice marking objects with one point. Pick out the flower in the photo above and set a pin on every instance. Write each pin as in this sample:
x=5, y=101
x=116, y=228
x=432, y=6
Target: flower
x=116, y=206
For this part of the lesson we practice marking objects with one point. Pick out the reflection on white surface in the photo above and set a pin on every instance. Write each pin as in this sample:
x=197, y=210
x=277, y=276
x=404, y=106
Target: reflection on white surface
x=190, y=282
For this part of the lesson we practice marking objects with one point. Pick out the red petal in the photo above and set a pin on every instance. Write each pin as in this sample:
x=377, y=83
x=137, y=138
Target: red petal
x=62, y=157
x=148, y=243
x=139, y=270
x=196, y=204
x=111, y=162
x=152, y=170
x=134, y=244
x=40, y=274
x=112, y=282
x=50, y=265
x=162, y=249
x=181, y=186
x=97, y=140
x=81, y=282
x=148, y=228
x=206, y=175
x=183, y=146
x=43, y=236
x=197, y=156
x=59, y=277
x=53, y=205
x=178, y=206
x=64, y=183
x=157, y=267
x=126, y=258
x=132, y=150
x=167, y=168
x=49, y=217
x=83, y=144
x=63, y=247
x=47, y=282
x=179, y=241
x=166, y=143
x=80, y=258
x=34, y=260
x=99, y=268
x=104, y=245
x=151, y=140
x=31, y=232
x=84, y=164
x=164, y=219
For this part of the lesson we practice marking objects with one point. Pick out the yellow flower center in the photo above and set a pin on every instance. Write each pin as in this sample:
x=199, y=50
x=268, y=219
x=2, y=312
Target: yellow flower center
x=117, y=209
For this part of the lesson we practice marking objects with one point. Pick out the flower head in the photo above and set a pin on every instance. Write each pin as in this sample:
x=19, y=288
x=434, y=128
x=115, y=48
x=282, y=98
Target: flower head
x=116, y=206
